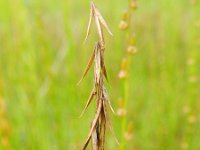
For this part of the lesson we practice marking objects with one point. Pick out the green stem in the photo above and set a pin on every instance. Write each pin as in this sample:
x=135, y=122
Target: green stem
x=126, y=97
x=126, y=85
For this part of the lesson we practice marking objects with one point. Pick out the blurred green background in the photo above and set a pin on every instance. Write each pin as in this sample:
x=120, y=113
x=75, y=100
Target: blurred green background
x=42, y=57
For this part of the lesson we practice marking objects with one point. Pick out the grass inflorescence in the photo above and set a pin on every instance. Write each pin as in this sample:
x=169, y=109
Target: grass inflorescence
x=98, y=126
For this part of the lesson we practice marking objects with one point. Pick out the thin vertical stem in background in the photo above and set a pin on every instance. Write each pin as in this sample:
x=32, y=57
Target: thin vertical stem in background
x=98, y=126
x=126, y=25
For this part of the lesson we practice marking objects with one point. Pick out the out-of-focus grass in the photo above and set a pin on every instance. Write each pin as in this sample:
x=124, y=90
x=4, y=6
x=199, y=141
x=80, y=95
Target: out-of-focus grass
x=42, y=56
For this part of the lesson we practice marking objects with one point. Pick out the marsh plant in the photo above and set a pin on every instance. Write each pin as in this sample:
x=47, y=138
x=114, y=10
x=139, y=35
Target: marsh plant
x=99, y=92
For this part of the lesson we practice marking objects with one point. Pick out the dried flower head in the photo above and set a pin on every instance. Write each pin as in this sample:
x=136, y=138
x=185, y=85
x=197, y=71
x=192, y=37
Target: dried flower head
x=98, y=126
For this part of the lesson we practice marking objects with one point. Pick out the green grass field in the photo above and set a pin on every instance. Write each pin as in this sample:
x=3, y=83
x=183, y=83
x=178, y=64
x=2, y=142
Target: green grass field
x=43, y=54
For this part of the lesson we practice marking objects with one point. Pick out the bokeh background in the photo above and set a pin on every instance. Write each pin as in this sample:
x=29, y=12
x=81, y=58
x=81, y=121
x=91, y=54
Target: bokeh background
x=42, y=57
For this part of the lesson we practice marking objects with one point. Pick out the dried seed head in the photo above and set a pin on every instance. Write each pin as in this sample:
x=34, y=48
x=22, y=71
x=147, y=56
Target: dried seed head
x=121, y=112
x=122, y=74
x=123, y=25
x=131, y=49
x=97, y=130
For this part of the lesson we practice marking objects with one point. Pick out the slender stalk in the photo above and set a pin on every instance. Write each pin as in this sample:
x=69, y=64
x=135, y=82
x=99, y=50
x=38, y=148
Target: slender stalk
x=126, y=24
x=124, y=121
